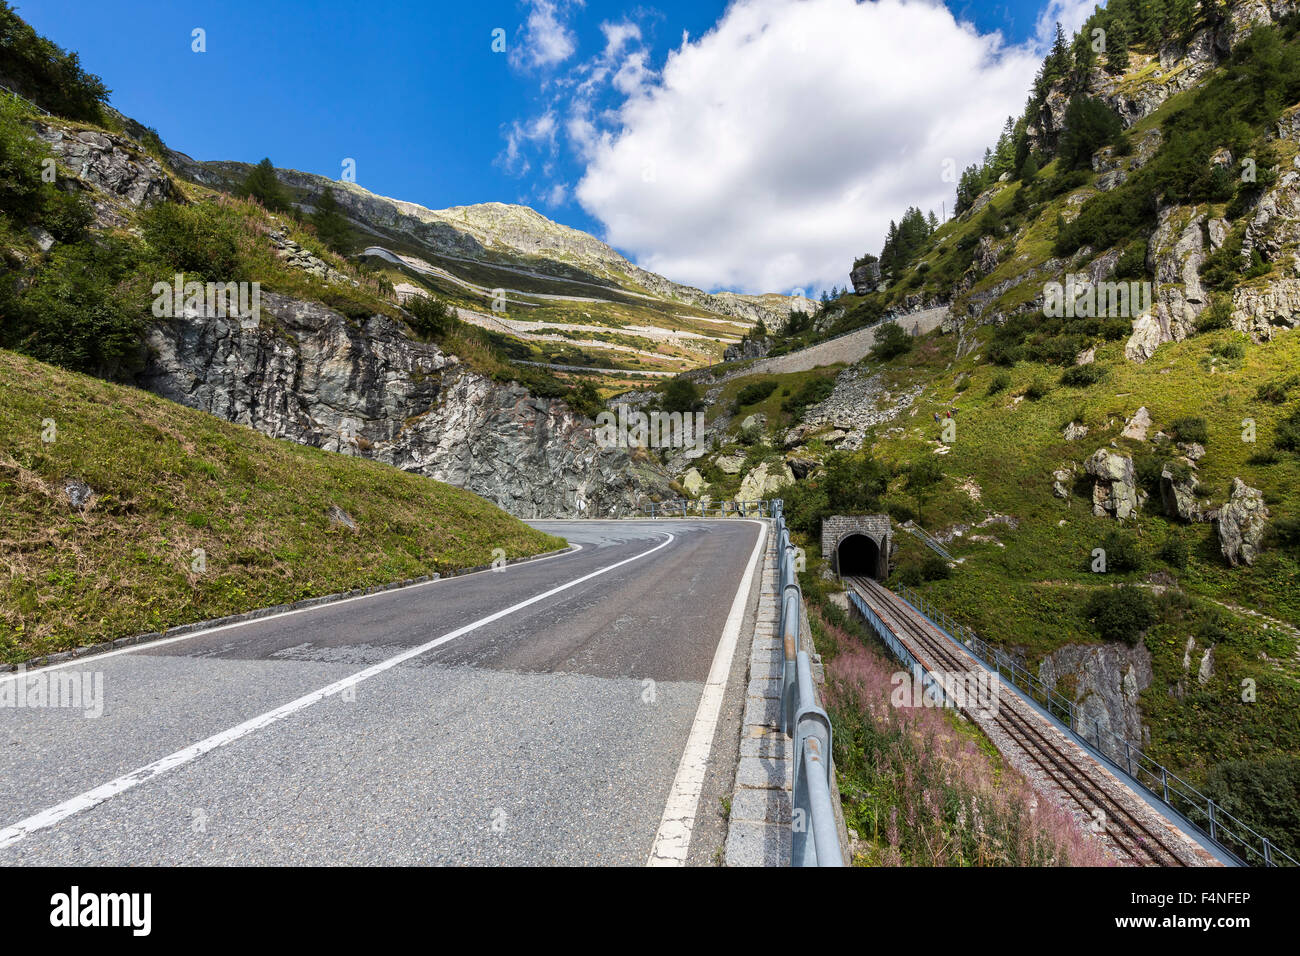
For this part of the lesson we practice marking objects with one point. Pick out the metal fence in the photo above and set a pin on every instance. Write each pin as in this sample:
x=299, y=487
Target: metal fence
x=815, y=833
x=1195, y=808
x=929, y=540
x=815, y=837
x=706, y=508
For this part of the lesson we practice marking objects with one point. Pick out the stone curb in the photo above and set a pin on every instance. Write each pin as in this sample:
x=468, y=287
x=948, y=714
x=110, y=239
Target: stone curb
x=181, y=630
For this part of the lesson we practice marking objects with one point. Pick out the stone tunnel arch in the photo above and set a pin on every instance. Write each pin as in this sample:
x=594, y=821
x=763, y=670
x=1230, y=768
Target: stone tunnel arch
x=858, y=544
x=857, y=555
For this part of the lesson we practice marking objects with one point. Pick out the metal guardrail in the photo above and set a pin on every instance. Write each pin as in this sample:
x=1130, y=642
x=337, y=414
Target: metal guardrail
x=815, y=837
x=1195, y=808
x=927, y=539
x=815, y=833
x=707, y=508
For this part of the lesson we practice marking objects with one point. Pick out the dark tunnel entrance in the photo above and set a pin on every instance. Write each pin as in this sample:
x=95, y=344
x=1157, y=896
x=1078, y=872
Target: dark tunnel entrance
x=858, y=556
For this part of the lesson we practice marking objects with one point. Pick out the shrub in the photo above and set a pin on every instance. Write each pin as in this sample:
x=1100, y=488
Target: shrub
x=1275, y=393
x=76, y=313
x=681, y=395
x=1174, y=552
x=1287, y=436
x=1217, y=316
x=200, y=239
x=1081, y=376
x=811, y=392
x=430, y=318
x=1189, y=429
x=752, y=394
x=1132, y=263
x=1001, y=382
x=1122, y=552
x=1264, y=794
x=892, y=341
x=1232, y=349
x=1037, y=390
x=1120, y=614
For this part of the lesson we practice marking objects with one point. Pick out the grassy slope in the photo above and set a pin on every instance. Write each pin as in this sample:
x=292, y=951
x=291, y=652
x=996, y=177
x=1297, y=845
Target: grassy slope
x=1029, y=595
x=169, y=480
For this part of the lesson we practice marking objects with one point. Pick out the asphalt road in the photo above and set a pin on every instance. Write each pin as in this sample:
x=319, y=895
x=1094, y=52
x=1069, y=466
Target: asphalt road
x=402, y=728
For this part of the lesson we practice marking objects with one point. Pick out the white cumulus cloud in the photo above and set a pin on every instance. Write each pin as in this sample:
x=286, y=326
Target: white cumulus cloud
x=769, y=152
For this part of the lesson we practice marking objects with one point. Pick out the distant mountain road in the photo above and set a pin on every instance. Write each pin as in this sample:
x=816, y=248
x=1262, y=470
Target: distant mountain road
x=536, y=715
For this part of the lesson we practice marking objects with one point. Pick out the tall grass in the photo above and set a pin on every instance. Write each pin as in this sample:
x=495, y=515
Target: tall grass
x=920, y=787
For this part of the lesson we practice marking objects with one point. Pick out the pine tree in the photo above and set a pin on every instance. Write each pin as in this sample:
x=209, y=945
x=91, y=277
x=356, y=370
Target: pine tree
x=1182, y=17
x=932, y=221
x=263, y=186
x=1117, y=47
x=330, y=223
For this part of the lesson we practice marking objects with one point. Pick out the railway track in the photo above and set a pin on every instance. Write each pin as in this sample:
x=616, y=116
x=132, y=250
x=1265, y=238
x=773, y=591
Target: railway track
x=1073, y=772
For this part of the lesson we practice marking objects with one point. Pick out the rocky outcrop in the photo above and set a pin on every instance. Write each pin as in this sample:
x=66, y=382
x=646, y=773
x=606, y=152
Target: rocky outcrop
x=748, y=348
x=694, y=482
x=295, y=255
x=1106, y=683
x=1274, y=227
x=1175, y=255
x=1241, y=524
x=1137, y=426
x=1261, y=311
x=310, y=375
x=112, y=169
x=865, y=278
x=764, y=480
x=1115, y=491
x=1178, y=490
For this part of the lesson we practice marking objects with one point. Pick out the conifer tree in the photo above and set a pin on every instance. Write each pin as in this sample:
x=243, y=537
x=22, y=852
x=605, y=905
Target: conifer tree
x=330, y=223
x=263, y=186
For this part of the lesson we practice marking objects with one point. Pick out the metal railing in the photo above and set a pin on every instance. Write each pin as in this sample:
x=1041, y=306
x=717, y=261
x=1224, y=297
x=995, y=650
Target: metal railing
x=706, y=508
x=927, y=539
x=1193, y=807
x=18, y=96
x=814, y=830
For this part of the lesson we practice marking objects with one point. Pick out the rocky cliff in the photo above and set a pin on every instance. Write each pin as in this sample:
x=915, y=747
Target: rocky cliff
x=310, y=375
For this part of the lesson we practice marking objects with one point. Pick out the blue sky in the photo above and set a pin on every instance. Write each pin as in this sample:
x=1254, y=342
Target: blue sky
x=582, y=116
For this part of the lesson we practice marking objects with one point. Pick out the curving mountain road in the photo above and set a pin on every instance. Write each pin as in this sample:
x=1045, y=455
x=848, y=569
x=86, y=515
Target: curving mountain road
x=536, y=715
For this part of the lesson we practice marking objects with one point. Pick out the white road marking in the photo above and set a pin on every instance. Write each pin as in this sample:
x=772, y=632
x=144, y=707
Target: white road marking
x=674, y=837
x=92, y=798
x=95, y=658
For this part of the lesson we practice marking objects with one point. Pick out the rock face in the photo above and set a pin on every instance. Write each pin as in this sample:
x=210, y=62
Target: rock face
x=764, y=480
x=1261, y=311
x=865, y=278
x=750, y=348
x=694, y=482
x=364, y=388
x=1175, y=255
x=1116, y=489
x=1241, y=524
x=118, y=173
x=1178, y=490
x=1108, y=681
x=1137, y=426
